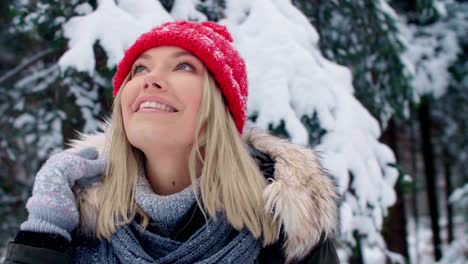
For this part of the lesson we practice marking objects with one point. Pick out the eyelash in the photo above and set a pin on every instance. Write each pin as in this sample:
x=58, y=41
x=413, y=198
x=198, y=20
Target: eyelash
x=187, y=63
x=135, y=67
x=178, y=65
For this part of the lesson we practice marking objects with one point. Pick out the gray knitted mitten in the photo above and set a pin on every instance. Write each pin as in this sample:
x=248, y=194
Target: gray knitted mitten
x=52, y=207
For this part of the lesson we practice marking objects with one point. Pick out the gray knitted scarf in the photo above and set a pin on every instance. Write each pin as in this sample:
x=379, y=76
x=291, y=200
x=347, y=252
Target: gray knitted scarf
x=216, y=242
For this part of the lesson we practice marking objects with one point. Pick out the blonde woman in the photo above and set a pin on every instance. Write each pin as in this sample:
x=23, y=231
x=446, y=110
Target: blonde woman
x=176, y=177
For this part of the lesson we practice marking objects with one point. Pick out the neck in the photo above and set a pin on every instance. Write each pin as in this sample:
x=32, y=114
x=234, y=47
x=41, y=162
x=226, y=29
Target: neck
x=168, y=172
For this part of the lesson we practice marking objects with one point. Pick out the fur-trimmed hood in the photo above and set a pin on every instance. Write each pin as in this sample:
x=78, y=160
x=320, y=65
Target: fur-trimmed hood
x=301, y=196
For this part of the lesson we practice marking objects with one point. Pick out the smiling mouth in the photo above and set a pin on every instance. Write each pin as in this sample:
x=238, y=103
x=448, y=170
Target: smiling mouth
x=150, y=106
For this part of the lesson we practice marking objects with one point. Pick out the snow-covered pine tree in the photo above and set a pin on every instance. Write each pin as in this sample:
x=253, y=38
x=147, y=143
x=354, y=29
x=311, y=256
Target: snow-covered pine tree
x=312, y=92
x=454, y=103
x=19, y=116
x=432, y=31
x=40, y=106
x=364, y=36
x=450, y=112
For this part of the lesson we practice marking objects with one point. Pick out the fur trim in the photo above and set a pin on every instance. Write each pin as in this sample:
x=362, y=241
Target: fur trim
x=302, y=197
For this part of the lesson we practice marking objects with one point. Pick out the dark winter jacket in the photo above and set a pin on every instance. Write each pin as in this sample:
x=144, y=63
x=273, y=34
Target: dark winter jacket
x=302, y=195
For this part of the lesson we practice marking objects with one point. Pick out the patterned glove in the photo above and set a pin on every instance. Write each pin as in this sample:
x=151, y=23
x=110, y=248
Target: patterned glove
x=52, y=207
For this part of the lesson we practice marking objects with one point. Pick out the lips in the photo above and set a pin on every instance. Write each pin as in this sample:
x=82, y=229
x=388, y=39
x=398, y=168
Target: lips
x=153, y=102
x=154, y=105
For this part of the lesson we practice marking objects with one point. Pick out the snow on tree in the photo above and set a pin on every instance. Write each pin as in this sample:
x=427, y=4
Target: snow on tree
x=436, y=32
x=455, y=252
x=305, y=84
x=451, y=109
x=434, y=47
x=451, y=112
x=39, y=105
x=366, y=37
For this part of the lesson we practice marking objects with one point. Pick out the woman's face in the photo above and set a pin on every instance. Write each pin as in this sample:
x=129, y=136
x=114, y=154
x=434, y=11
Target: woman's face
x=160, y=103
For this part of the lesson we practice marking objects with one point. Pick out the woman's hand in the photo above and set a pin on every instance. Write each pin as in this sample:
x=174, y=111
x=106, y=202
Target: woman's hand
x=52, y=207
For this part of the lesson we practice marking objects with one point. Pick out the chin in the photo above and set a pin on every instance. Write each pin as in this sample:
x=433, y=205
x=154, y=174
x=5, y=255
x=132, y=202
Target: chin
x=144, y=135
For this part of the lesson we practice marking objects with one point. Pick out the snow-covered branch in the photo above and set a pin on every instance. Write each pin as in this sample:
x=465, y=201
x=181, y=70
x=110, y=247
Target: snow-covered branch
x=40, y=55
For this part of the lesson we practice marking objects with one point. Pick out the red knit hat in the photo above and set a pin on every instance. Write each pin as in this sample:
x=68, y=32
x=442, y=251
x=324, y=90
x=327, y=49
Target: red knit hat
x=212, y=44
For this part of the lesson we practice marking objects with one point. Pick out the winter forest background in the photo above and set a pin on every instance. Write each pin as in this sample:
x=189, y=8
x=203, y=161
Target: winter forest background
x=379, y=87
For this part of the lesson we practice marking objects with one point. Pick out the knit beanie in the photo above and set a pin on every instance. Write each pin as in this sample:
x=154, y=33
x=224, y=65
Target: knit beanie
x=212, y=44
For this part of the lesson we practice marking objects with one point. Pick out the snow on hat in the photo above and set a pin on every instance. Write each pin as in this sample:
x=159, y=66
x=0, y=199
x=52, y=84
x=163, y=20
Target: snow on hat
x=212, y=44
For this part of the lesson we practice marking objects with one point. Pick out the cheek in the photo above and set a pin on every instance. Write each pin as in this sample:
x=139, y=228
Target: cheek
x=126, y=98
x=191, y=99
x=194, y=101
x=124, y=107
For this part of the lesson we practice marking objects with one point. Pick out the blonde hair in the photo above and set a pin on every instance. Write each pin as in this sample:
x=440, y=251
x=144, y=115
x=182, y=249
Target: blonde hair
x=230, y=180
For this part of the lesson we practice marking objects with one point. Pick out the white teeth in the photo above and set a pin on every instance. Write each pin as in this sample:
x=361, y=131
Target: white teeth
x=159, y=106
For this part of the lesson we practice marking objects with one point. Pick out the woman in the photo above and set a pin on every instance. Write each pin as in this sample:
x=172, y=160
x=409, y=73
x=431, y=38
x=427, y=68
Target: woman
x=182, y=180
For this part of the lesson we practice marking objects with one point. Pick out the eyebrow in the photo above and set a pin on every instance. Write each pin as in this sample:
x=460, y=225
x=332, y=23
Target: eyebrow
x=174, y=55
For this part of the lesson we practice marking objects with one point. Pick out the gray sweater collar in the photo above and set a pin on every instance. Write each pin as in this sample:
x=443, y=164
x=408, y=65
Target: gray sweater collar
x=165, y=211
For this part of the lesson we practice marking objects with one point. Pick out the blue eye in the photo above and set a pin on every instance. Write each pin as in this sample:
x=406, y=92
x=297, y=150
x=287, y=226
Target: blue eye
x=138, y=68
x=185, y=66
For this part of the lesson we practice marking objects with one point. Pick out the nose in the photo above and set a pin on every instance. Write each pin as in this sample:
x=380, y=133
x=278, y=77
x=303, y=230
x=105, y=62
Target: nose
x=154, y=81
x=153, y=84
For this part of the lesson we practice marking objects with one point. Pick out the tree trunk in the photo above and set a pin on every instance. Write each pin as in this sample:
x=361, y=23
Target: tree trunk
x=414, y=189
x=448, y=192
x=430, y=171
x=394, y=230
x=357, y=257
